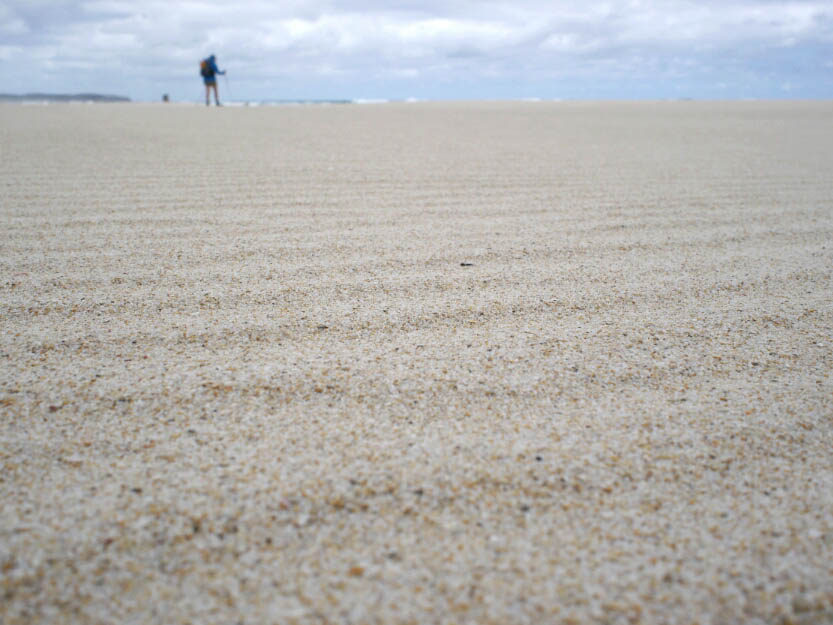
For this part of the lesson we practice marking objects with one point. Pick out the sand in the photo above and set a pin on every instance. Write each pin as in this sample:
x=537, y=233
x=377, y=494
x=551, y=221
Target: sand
x=417, y=363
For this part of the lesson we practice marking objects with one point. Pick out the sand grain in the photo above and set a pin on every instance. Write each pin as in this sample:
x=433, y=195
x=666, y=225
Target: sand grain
x=452, y=363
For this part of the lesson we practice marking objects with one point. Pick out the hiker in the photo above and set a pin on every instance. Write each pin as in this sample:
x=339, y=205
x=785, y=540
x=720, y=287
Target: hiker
x=208, y=71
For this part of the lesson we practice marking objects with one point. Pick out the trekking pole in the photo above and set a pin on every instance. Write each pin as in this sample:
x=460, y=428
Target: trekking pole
x=228, y=89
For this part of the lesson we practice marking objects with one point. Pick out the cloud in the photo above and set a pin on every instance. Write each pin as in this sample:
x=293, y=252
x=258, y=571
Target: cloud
x=308, y=44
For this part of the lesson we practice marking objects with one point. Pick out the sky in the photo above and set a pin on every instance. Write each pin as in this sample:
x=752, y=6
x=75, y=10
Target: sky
x=428, y=49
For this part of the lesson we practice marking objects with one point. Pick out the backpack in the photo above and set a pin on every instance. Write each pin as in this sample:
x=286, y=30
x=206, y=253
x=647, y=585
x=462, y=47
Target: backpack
x=205, y=69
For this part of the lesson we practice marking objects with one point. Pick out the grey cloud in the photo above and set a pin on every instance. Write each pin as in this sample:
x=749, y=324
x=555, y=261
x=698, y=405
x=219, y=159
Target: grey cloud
x=305, y=41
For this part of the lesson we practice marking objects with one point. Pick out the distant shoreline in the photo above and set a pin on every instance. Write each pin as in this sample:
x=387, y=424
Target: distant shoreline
x=62, y=97
x=45, y=98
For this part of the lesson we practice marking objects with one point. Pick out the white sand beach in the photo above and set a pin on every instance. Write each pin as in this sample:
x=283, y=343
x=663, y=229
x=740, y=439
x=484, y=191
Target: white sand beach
x=491, y=363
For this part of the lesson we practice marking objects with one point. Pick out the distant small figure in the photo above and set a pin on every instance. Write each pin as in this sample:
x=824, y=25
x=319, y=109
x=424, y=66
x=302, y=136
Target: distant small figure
x=165, y=97
x=208, y=71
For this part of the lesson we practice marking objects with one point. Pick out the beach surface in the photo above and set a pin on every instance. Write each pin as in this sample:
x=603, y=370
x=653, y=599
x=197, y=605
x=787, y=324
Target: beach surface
x=417, y=363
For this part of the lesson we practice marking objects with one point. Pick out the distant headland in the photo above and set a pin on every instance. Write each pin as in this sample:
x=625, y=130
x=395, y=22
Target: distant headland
x=62, y=97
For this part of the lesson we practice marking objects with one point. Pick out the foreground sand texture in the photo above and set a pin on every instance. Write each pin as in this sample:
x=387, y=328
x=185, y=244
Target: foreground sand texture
x=417, y=363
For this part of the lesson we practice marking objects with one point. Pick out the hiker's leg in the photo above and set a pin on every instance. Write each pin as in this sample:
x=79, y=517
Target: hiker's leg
x=216, y=95
x=207, y=94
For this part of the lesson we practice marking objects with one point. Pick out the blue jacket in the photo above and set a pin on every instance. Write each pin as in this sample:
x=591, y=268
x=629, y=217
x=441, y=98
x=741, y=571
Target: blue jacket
x=212, y=64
